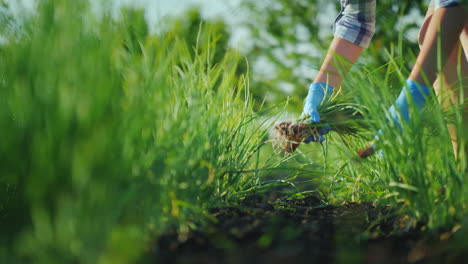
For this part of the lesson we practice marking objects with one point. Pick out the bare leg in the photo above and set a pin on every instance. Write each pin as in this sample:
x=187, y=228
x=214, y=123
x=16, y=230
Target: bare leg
x=448, y=85
x=340, y=57
x=464, y=41
x=446, y=24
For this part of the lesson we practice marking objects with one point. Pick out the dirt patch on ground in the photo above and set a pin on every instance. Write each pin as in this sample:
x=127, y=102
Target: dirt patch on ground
x=271, y=229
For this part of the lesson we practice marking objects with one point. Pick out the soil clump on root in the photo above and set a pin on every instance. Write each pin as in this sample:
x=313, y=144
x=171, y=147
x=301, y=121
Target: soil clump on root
x=274, y=229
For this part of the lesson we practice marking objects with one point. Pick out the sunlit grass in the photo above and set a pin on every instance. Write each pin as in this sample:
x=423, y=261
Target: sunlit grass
x=416, y=171
x=110, y=136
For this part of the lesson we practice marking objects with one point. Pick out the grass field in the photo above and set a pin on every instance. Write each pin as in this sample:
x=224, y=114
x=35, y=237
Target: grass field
x=112, y=138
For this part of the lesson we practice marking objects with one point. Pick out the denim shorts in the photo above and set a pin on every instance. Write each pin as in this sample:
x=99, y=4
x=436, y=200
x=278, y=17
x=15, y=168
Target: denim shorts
x=356, y=21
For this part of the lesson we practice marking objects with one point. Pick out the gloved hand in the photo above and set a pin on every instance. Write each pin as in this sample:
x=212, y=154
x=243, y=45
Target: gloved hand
x=418, y=93
x=317, y=93
x=323, y=130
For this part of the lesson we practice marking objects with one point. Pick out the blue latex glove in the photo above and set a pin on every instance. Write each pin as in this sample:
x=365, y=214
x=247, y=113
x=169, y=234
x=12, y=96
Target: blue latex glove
x=324, y=130
x=314, y=99
x=418, y=93
x=317, y=93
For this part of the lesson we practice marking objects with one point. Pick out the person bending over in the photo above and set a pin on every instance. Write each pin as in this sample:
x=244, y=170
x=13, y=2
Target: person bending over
x=446, y=20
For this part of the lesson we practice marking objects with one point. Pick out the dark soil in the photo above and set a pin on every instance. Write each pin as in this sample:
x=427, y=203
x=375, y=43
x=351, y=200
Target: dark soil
x=274, y=229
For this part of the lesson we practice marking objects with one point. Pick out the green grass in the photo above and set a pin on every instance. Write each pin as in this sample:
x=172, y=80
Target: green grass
x=110, y=137
x=418, y=172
